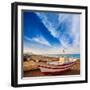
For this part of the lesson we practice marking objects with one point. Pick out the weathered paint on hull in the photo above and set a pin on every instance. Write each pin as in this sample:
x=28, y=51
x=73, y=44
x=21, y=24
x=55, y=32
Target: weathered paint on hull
x=55, y=69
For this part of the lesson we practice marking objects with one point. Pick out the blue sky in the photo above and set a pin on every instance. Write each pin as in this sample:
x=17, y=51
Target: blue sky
x=48, y=32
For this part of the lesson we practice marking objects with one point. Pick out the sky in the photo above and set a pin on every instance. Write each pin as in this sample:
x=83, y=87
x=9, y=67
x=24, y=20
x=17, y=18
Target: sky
x=51, y=32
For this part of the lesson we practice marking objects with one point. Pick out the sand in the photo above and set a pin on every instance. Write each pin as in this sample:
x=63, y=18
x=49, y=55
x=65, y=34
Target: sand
x=34, y=71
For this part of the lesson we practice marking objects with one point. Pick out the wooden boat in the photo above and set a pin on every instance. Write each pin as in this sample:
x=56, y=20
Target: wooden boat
x=57, y=67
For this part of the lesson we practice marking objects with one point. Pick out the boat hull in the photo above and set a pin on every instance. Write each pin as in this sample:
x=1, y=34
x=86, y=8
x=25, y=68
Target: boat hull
x=55, y=69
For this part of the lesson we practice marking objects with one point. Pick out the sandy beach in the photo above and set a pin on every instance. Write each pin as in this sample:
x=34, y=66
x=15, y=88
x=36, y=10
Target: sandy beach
x=30, y=67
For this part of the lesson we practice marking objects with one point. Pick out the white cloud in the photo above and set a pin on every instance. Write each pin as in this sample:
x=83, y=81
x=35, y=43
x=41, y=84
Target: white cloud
x=39, y=39
x=27, y=38
x=48, y=24
x=73, y=31
x=52, y=50
x=57, y=50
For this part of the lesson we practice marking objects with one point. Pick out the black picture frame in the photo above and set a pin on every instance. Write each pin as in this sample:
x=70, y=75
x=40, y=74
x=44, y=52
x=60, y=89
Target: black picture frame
x=14, y=42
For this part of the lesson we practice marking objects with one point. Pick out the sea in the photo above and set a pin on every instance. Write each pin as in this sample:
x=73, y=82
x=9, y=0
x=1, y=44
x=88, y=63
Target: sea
x=64, y=55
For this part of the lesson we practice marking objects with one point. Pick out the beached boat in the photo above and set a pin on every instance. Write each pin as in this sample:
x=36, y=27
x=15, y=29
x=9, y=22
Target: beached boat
x=56, y=67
